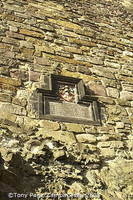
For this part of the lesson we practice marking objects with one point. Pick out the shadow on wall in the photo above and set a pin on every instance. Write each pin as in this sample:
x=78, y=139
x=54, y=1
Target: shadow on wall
x=16, y=176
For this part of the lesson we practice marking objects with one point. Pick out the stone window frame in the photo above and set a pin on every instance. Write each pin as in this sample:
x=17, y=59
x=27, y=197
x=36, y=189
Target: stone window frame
x=48, y=91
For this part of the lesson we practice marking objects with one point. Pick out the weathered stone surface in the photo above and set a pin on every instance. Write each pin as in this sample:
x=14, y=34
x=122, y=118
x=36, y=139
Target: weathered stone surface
x=19, y=74
x=117, y=110
x=86, y=138
x=88, y=147
x=9, y=109
x=107, y=100
x=41, y=61
x=64, y=137
x=120, y=125
x=126, y=95
x=119, y=171
x=11, y=41
x=109, y=82
x=5, y=97
x=45, y=48
x=97, y=89
x=91, y=40
x=84, y=70
x=76, y=188
x=107, y=152
x=26, y=44
x=58, y=154
x=82, y=42
x=102, y=72
x=73, y=50
x=123, y=102
x=14, y=35
x=34, y=76
x=10, y=81
x=20, y=98
x=66, y=24
x=74, y=127
x=31, y=33
x=111, y=144
x=4, y=70
x=85, y=77
x=68, y=60
x=49, y=125
x=112, y=92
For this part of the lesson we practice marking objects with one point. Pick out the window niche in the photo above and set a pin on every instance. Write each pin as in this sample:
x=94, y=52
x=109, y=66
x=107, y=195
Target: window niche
x=62, y=98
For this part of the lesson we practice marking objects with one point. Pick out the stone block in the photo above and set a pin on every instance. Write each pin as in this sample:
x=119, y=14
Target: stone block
x=109, y=63
x=10, y=41
x=117, y=110
x=27, y=53
x=109, y=82
x=19, y=74
x=89, y=138
x=96, y=89
x=77, y=128
x=8, y=88
x=107, y=100
x=41, y=61
x=88, y=147
x=130, y=111
x=66, y=24
x=126, y=95
x=111, y=144
x=99, y=71
x=34, y=76
x=18, y=110
x=85, y=77
x=47, y=27
x=84, y=70
x=19, y=101
x=10, y=81
x=5, y=112
x=13, y=29
x=4, y=70
x=17, y=8
x=82, y=42
x=90, y=129
x=120, y=125
x=26, y=44
x=31, y=33
x=106, y=129
x=127, y=87
x=49, y=125
x=58, y=154
x=94, y=60
x=64, y=137
x=68, y=60
x=44, y=48
x=107, y=153
x=30, y=123
x=76, y=188
x=14, y=35
x=5, y=97
x=113, y=92
x=67, y=33
x=123, y=102
x=73, y=50
x=127, y=79
x=9, y=54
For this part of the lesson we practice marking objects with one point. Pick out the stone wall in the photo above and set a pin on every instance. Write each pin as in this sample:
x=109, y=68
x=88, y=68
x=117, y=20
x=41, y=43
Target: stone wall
x=88, y=39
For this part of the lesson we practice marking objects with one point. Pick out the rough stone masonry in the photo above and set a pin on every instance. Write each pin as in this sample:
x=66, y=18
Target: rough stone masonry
x=88, y=39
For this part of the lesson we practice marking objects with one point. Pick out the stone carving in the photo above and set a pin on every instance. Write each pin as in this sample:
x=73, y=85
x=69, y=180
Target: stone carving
x=67, y=93
x=64, y=98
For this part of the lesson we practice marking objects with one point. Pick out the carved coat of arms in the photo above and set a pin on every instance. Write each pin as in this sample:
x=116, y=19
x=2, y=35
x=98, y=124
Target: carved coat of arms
x=67, y=93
